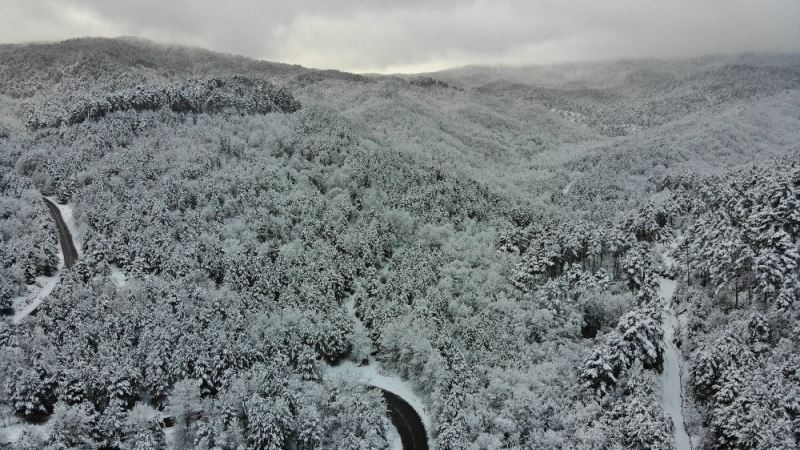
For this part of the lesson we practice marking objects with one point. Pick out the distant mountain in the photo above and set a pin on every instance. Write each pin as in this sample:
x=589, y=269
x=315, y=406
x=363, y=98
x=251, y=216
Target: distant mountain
x=478, y=117
x=103, y=63
x=622, y=96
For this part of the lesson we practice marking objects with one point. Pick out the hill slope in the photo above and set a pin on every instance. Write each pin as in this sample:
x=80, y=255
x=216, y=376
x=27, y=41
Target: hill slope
x=492, y=236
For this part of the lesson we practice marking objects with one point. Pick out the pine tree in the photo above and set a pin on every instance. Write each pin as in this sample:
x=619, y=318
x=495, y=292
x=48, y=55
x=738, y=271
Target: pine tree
x=73, y=426
x=268, y=423
x=183, y=407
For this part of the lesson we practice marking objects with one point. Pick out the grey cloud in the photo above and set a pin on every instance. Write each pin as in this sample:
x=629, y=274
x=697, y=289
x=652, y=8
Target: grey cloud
x=383, y=35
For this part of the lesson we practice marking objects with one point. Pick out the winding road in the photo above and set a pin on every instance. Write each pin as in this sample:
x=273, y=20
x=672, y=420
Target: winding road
x=64, y=236
x=407, y=421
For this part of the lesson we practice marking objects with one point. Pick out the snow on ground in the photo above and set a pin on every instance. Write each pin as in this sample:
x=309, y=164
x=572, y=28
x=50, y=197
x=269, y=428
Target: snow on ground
x=392, y=436
x=672, y=400
x=68, y=215
x=11, y=434
x=12, y=427
x=566, y=189
x=37, y=292
x=118, y=276
x=169, y=437
x=666, y=288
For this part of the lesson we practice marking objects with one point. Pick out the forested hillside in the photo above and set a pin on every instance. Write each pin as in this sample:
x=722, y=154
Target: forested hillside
x=739, y=261
x=493, y=236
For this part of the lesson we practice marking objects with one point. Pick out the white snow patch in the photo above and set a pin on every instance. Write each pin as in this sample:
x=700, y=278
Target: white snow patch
x=37, y=292
x=118, y=276
x=566, y=189
x=11, y=434
x=392, y=435
x=12, y=428
x=666, y=288
x=169, y=437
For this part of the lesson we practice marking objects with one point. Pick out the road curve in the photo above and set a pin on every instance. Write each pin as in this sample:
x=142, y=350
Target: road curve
x=407, y=421
x=403, y=416
x=64, y=236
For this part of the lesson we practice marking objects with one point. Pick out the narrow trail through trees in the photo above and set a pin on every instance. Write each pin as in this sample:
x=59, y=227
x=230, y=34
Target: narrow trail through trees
x=672, y=395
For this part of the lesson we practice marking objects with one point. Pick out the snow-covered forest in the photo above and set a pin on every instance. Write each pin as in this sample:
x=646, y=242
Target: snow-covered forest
x=500, y=243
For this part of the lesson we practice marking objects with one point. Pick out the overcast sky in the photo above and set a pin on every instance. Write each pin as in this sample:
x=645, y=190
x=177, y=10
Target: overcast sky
x=416, y=35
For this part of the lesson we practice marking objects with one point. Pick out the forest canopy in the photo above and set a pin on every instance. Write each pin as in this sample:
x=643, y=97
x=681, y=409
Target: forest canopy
x=498, y=240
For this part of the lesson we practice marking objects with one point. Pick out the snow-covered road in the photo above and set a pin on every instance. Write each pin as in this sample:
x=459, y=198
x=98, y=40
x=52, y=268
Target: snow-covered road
x=672, y=396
